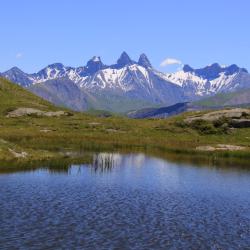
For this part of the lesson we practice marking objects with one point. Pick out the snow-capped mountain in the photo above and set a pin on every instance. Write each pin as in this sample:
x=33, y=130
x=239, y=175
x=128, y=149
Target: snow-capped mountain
x=210, y=80
x=127, y=84
x=134, y=82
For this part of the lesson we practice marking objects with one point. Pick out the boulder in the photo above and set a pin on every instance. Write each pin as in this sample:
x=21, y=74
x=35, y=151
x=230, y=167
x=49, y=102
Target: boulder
x=236, y=113
x=222, y=147
x=24, y=111
x=56, y=113
x=31, y=111
x=240, y=123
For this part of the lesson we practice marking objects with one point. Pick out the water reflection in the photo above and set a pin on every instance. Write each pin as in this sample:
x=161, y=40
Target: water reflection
x=106, y=162
x=59, y=169
x=137, y=202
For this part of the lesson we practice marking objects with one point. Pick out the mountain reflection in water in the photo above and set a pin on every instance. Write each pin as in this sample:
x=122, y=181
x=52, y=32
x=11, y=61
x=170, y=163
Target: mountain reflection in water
x=106, y=162
x=125, y=201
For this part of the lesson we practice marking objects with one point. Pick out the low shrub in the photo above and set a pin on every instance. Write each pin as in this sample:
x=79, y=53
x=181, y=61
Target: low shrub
x=181, y=124
x=245, y=115
x=222, y=121
x=203, y=127
x=8, y=110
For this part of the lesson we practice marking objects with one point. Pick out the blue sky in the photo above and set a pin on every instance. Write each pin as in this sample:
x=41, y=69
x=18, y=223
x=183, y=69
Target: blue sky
x=37, y=33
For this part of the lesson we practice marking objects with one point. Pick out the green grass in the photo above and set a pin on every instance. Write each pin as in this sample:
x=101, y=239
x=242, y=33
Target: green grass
x=226, y=99
x=116, y=103
x=13, y=96
x=47, y=138
x=217, y=100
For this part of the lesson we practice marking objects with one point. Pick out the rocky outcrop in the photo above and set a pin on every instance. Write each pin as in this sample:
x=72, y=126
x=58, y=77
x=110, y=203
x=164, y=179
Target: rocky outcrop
x=240, y=123
x=221, y=121
x=35, y=112
x=144, y=61
x=17, y=154
x=223, y=147
x=235, y=116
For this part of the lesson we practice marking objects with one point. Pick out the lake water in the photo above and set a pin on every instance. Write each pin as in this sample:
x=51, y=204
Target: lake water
x=125, y=202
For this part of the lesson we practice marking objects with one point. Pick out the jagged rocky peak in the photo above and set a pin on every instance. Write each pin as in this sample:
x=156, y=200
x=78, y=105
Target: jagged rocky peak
x=96, y=59
x=214, y=70
x=50, y=70
x=187, y=68
x=232, y=69
x=17, y=75
x=124, y=60
x=94, y=64
x=210, y=72
x=144, y=61
x=244, y=70
x=214, y=66
x=58, y=66
x=14, y=70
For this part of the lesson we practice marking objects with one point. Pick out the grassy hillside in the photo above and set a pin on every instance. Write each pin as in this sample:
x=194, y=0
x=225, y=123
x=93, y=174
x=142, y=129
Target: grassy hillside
x=13, y=96
x=29, y=138
x=61, y=92
x=115, y=103
x=238, y=98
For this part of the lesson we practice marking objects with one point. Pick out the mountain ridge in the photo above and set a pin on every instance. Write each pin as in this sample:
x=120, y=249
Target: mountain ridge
x=132, y=80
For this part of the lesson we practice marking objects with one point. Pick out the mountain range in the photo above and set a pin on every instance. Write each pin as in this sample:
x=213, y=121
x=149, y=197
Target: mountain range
x=127, y=84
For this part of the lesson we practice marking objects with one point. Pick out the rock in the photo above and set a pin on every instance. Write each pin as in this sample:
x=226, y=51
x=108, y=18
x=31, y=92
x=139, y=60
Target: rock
x=205, y=148
x=3, y=141
x=112, y=130
x=24, y=111
x=144, y=61
x=240, y=123
x=216, y=115
x=18, y=155
x=45, y=130
x=57, y=113
x=224, y=147
x=94, y=123
x=229, y=147
x=94, y=65
x=31, y=111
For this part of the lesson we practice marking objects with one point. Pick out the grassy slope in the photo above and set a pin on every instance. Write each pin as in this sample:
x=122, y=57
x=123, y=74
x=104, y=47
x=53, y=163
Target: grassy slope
x=47, y=137
x=115, y=103
x=13, y=96
x=226, y=99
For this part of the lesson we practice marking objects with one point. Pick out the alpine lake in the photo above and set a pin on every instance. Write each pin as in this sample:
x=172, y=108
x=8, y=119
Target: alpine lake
x=125, y=201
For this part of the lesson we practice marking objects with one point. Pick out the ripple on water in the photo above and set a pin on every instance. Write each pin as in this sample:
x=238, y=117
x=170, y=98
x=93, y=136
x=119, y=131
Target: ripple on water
x=136, y=202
